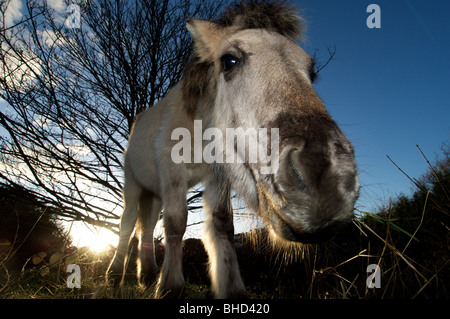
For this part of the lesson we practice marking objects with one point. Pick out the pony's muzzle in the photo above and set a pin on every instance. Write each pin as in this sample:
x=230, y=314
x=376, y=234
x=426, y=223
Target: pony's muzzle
x=317, y=200
x=316, y=236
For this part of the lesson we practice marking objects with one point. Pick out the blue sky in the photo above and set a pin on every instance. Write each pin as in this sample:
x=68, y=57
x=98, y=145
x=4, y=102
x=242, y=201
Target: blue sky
x=387, y=88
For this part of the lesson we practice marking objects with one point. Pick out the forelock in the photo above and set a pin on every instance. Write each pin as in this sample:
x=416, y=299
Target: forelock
x=275, y=16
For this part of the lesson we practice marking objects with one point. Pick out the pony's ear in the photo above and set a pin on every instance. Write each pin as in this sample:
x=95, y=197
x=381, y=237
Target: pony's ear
x=207, y=37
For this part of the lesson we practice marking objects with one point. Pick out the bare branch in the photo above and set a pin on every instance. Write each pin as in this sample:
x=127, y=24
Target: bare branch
x=72, y=96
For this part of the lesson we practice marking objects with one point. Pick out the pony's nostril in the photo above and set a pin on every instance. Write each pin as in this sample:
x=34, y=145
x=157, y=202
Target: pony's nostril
x=298, y=177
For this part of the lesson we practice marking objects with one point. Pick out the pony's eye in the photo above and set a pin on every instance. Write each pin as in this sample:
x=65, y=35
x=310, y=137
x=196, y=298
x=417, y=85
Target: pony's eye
x=229, y=62
x=312, y=72
x=312, y=76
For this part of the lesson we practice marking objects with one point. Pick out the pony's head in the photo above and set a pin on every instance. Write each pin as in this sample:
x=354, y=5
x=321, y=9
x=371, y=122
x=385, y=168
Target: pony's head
x=247, y=71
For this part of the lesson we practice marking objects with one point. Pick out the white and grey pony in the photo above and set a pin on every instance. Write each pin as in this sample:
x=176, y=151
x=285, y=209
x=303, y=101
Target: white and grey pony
x=246, y=74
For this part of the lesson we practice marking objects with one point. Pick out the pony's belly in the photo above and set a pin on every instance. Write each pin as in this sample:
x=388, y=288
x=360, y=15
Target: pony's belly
x=197, y=173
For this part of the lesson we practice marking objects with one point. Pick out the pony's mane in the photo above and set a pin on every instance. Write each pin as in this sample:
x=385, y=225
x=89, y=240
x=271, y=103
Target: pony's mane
x=275, y=16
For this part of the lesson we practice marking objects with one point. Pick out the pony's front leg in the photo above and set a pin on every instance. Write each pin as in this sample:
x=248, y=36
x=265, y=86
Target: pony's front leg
x=171, y=282
x=226, y=279
x=132, y=193
x=149, y=210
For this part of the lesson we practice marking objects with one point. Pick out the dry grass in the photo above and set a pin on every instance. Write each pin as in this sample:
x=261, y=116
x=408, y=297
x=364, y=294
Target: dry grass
x=411, y=249
x=320, y=272
x=324, y=272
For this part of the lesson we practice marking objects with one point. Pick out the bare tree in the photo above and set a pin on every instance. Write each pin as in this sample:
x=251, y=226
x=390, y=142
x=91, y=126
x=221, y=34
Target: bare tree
x=71, y=91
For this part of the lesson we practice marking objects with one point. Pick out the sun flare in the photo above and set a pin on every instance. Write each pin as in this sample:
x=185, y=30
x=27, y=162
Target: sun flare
x=100, y=242
x=97, y=239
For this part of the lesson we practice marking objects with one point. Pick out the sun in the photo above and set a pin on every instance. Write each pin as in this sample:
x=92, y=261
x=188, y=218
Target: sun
x=97, y=239
x=100, y=242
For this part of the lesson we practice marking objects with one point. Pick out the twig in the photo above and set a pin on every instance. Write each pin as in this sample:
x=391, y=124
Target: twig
x=435, y=173
x=26, y=237
x=412, y=180
x=420, y=224
x=313, y=273
x=360, y=254
x=351, y=285
x=397, y=252
x=321, y=66
x=8, y=277
x=65, y=244
x=429, y=281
